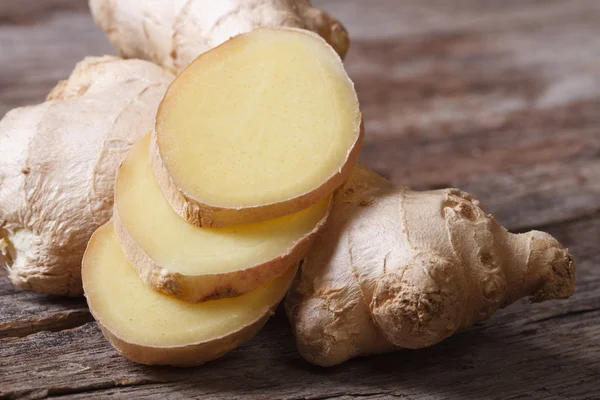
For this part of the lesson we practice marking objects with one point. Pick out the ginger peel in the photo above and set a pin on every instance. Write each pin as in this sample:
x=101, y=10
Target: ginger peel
x=172, y=33
x=58, y=162
x=396, y=269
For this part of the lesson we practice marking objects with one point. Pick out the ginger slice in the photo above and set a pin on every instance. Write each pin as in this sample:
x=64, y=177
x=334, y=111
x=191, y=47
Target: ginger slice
x=149, y=327
x=197, y=264
x=262, y=126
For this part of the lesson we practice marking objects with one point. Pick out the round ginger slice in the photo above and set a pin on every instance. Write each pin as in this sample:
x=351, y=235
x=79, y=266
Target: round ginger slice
x=198, y=264
x=262, y=126
x=149, y=327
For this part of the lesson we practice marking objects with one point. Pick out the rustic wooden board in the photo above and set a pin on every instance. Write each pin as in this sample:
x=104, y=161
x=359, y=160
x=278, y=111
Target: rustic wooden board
x=500, y=98
x=23, y=313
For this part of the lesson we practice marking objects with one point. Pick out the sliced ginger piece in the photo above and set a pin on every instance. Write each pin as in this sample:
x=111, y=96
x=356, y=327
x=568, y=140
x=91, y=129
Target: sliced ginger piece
x=264, y=125
x=148, y=327
x=197, y=264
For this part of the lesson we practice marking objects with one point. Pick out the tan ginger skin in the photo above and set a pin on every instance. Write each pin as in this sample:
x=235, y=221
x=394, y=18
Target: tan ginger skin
x=395, y=269
x=172, y=33
x=58, y=162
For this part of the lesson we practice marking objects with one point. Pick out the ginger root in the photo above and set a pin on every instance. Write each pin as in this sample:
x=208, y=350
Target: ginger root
x=58, y=162
x=396, y=269
x=172, y=33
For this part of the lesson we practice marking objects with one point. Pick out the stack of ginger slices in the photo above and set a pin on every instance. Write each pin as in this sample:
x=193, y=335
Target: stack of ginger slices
x=215, y=208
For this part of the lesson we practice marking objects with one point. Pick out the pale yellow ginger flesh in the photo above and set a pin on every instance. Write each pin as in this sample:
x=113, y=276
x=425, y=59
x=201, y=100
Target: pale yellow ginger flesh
x=195, y=263
x=396, y=269
x=153, y=328
x=171, y=33
x=264, y=125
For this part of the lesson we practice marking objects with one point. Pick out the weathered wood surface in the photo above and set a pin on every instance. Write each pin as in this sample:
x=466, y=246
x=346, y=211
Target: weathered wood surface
x=500, y=98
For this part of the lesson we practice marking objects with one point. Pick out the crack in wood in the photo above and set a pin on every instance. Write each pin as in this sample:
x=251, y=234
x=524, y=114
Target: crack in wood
x=568, y=314
x=52, y=323
x=366, y=395
x=57, y=392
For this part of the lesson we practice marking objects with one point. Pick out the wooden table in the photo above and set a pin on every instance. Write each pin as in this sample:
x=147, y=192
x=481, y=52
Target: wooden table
x=500, y=98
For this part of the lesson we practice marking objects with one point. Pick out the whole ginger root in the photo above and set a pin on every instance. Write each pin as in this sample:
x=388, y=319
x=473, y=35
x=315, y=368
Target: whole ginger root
x=58, y=162
x=396, y=269
x=172, y=33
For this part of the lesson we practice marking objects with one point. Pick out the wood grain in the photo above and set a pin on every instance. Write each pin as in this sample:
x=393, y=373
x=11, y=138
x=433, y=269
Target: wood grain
x=548, y=350
x=23, y=313
x=499, y=98
x=40, y=42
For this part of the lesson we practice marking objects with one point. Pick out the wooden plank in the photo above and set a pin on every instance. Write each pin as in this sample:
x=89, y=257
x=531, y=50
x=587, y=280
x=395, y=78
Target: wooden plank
x=26, y=12
x=550, y=350
x=515, y=92
x=499, y=98
x=540, y=168
x=40, y=42
x=382, y=19
x=23, y=313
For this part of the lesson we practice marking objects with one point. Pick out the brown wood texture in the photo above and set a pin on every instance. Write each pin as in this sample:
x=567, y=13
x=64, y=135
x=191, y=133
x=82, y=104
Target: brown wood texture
x=500, y=98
